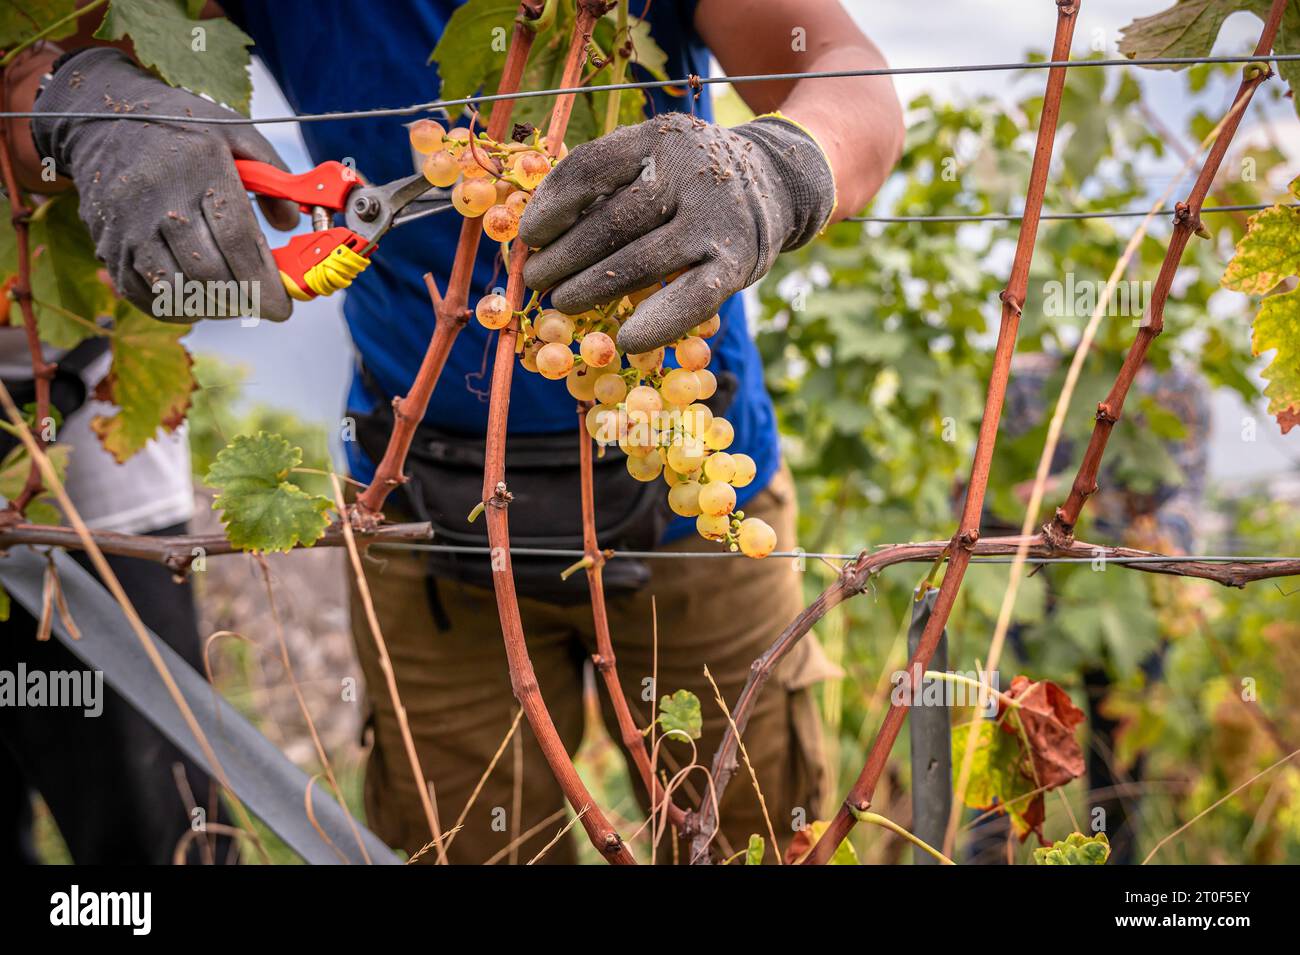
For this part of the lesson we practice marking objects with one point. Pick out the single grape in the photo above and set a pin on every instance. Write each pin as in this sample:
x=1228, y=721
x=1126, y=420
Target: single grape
x=644, y=398
x=708, y=383
x=720, y=467
x=639, y=430
x=644, y=469
x=610, y=387
x=672, y=478
x=473, y=197
x=597, y=349
x=440, y=169
x=529, y=357
x=647, y=361
x=475, y=163
x=710, y=328
x=717, y=498
x=426, y=135
x=456, y=141
x=720, y=435
x=505, y=189
x=530, y=168
x=493, y=311
x=680, y=387
x=756, y=537
x=500, y=224
x=712, y=527
x=684, y=499
x=581, y=383
x=744, y=470
x=692, y=353
x=516, y=201
x=554, y=360
x=696, y=419
x=686, y=455
x=602, y=424
x=554, y=326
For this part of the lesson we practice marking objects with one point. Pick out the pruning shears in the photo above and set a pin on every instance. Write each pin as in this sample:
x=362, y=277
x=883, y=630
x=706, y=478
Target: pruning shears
x=328, y=259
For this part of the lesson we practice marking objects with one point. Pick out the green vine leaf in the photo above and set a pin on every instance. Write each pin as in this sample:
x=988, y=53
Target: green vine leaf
x=150, y=381
x=1277, y=326
x=754, y=851
x=472, y=49
x=1267, y=254
x=680, y=713
x=1190, y=27
x=205, y=56
x=67, y=294
x=262, y=510
x=26, y=18
x=1075, y=849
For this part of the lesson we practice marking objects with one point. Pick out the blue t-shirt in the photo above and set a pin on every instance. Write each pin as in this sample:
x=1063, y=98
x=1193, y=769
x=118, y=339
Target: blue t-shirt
x=337, y=56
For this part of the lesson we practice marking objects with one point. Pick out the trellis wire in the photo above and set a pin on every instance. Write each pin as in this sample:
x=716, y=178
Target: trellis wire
x=1015, y=217
x=691, y=82
x=485, y=551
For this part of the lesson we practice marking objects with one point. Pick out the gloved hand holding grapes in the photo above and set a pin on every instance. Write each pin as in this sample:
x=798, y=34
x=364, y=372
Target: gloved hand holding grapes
x=674, y=193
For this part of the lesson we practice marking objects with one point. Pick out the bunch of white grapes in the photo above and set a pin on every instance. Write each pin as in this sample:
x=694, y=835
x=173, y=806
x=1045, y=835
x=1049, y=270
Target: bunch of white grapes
x=488, y=179
x=656, y=415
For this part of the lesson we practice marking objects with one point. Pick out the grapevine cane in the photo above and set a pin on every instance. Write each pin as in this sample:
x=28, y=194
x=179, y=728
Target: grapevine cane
x=42, y=371
x=496, y=498
x=603, y=659
x=1187, y=221
x=451, y=310
x=963, y=543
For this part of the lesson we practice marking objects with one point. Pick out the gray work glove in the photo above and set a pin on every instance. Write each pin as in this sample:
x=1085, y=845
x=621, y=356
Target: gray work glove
x=159, y=198
x=673, y=193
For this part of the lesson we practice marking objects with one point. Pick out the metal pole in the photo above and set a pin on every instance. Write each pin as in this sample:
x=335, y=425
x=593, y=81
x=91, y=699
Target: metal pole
x=930, y=733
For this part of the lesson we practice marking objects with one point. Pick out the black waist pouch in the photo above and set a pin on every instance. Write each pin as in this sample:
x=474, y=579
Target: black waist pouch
x=445, y=472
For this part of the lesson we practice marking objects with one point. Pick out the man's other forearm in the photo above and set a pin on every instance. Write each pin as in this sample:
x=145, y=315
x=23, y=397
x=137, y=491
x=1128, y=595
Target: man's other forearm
x=857, y=120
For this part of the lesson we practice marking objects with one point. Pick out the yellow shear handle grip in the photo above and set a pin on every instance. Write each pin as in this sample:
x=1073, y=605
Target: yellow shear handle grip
x=335, y=270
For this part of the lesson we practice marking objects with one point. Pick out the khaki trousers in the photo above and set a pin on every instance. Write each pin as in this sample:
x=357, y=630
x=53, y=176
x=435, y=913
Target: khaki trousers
x=456, y=690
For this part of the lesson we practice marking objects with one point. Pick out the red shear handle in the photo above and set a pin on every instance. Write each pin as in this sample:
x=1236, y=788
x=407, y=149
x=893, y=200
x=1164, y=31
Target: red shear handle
x=321, y=262
x=327, y=185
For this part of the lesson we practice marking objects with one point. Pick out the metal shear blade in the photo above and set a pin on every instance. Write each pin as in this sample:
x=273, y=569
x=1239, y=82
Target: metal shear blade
x=373, y=210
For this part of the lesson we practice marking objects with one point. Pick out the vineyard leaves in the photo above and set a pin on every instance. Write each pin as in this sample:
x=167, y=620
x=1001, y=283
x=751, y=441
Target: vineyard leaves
x=471, y=54
x=1028, y=751
x=150, y=382
x=262, y=510
x=166, y=37
x=22, y=19
x=680, y=713
x=1075, y=849
x=13, y=475
x=1190, y=27
x=754, y=851
x=1268, y=254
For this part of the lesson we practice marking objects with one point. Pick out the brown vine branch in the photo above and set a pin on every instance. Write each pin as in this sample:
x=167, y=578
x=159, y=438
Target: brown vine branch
x=1187, y=221
x=964, y=542
x=496, y=499
x=451, y=310
x=42, y=371
x=179, y=552
x=603, y=659
x=855, y=577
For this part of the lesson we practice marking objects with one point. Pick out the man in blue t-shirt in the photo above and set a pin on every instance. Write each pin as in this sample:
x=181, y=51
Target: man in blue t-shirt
x=604, y=230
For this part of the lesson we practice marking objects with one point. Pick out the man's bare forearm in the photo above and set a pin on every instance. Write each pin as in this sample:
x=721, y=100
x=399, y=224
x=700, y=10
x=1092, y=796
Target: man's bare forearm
x=858, y=121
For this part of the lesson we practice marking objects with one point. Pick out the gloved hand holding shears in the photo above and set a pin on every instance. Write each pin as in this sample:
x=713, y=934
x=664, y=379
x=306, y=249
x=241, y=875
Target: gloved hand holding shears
x=168, y=198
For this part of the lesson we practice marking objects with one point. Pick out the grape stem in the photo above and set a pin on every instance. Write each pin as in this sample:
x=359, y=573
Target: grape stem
x=496, y=498
x=451, y=310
